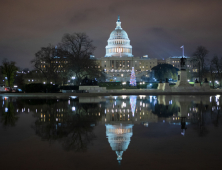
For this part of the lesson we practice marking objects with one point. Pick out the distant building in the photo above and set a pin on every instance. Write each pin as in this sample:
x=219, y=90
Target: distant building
x=191, y=66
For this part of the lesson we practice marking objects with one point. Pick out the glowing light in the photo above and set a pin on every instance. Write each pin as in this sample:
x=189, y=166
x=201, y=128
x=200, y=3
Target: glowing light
x=73, y=109
x=146, y=124
x=124, y=97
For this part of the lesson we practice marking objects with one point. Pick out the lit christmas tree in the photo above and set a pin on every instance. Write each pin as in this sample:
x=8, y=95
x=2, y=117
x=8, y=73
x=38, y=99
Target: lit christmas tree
x=133, y=78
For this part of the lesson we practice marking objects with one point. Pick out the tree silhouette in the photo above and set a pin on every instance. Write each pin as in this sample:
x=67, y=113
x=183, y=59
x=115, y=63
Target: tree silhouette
x=52, y=62
x=8, y=70
x=199, y=57
x=79, y=47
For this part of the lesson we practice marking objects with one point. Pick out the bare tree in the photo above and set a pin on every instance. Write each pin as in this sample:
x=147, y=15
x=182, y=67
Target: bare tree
x=51, y=62
x=79, y=47
x=200, y=58
x=8, y=70
x=213, y=71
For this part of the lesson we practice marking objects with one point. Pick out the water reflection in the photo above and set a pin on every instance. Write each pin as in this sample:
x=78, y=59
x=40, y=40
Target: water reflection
x=8, y=116
x=70, y=124
x=71, y=121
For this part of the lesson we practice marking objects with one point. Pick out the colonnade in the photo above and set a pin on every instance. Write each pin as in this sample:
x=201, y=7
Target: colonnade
x=119, y=50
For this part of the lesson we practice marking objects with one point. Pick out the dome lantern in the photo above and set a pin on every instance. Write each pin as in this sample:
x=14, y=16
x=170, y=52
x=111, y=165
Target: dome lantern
x=118, y=23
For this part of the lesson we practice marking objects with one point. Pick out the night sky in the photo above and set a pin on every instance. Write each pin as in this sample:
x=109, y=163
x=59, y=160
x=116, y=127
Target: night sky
x=157, y=28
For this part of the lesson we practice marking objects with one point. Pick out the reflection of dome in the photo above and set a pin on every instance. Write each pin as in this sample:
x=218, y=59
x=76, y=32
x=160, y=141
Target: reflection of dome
x=119, y=138
x=118, y=43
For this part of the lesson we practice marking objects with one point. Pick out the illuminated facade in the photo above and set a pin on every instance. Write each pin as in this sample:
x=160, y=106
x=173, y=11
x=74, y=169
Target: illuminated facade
x=118, y=43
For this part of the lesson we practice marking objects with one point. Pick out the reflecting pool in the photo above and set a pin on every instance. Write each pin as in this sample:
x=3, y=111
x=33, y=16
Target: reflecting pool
x=122, y=132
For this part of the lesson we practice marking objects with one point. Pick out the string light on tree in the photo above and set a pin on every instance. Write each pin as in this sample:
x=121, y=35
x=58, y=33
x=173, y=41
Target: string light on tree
x=133, y=78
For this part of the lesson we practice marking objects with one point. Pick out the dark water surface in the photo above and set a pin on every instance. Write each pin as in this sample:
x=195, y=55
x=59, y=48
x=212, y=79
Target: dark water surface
x=113, y=132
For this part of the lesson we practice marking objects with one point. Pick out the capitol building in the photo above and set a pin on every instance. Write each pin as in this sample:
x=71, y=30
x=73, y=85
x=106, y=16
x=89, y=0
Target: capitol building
x=119, y=60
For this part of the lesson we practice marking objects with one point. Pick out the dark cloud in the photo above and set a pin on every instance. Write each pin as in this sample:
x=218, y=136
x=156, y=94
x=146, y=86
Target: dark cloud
x=155, y=27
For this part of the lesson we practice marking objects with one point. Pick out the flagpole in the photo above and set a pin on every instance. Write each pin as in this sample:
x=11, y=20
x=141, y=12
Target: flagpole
x=183, y=50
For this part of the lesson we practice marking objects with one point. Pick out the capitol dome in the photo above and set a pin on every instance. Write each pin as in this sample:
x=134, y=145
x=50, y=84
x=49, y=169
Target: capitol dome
x=118, y=34
x=118, y=43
